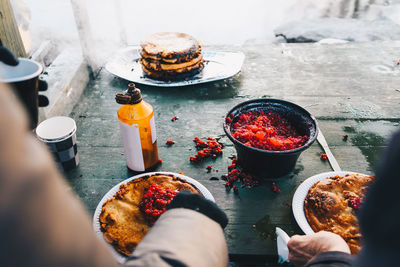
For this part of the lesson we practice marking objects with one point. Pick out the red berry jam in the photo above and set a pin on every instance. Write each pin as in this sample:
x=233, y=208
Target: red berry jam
x=155, y=201
x=267, y=131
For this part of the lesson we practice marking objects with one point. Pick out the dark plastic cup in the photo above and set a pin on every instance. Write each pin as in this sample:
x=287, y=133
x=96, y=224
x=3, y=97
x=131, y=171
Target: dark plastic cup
x=24, y=79
x=265, y=163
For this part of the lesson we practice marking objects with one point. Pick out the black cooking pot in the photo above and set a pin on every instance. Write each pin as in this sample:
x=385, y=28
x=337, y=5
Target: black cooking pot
x=271, y=164
x=23, y=76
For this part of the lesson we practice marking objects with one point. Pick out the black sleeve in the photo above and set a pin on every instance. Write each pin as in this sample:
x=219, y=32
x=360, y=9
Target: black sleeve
x=331, y=259
x=197, y=202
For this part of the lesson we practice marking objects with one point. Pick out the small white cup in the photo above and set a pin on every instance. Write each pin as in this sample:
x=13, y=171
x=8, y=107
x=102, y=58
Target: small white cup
x=59, y=134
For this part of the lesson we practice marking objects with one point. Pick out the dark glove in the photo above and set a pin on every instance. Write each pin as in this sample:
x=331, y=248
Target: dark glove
x=8, y=57
x=197, y=202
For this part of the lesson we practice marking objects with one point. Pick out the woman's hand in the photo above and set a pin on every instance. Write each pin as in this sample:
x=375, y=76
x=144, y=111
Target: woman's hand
x=303, y=247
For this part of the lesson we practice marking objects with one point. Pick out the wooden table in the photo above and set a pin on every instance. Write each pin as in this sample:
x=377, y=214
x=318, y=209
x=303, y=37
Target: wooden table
x=350, y=88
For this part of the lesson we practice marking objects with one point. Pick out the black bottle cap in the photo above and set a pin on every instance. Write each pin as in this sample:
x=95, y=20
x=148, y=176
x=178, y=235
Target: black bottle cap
x=131, y=96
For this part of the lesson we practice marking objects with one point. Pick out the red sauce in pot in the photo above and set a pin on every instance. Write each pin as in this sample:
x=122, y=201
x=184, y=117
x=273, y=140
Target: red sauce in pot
x=267, y=131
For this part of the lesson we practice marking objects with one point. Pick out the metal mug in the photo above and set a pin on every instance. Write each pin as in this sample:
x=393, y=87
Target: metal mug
x=23, y=76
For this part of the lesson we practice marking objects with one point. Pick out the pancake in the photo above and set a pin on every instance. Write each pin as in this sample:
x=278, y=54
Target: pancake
x=178, y=59
x=175, y=75
x=170, y=45
x=157, y=66
x=121, y=220
x=171, y=56
x=328, y=206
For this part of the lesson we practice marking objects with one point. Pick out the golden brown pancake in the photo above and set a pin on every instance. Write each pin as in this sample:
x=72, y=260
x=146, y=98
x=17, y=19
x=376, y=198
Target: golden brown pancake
x=175, y=75
x=178, y=59
x=157, y=66
x=171, y=56
x=121, y=220
x=327, y=206
x=169, y=44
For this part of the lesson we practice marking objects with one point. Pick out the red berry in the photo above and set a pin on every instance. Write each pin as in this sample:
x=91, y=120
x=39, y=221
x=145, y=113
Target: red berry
x=355, y=203
x=169, y=142
x=231, y=166
x=276, y=189
x=159, y=160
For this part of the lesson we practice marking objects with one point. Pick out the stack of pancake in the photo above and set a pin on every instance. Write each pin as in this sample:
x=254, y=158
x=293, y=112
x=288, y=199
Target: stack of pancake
x=171, y=56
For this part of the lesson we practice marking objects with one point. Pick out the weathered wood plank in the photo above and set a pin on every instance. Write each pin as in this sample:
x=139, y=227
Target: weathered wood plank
x=9, y=33
x=88, y=45
x=67, y=78
x=103, y=167
x=337, y=84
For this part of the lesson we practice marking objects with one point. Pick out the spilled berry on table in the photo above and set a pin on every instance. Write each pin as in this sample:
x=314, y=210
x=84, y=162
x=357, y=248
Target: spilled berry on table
x=206, y=149
x=169, y=142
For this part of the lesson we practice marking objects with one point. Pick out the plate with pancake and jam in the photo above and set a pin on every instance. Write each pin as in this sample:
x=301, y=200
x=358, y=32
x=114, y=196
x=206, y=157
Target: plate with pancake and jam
x=127, y=212
x=171, y=59
x=330, y=202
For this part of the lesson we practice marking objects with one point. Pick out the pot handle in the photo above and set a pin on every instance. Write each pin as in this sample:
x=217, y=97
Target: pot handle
x=43, y=100
x=8, y=57
x=42, y=85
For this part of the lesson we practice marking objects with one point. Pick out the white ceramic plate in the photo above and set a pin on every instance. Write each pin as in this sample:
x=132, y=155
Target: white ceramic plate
x=218, y=66
x=96, y=223
x=300, y=195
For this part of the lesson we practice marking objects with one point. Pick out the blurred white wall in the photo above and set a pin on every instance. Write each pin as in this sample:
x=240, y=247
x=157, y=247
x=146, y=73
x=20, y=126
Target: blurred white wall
x=215, y=22
x=212, y=21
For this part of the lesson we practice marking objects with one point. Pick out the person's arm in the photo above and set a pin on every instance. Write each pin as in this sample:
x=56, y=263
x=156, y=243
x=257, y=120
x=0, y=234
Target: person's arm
x=320, y=249
x=189, y=233
x=42, y=223
x=331, y=259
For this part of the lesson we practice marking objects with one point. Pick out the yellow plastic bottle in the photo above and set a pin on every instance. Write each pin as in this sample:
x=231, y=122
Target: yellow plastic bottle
x=138, y=131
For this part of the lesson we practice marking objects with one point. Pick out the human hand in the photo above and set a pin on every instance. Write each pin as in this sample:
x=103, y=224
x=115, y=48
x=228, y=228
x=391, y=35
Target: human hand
x=303, y=247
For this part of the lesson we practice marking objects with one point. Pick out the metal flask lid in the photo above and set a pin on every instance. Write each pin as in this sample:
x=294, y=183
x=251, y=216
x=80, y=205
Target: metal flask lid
x=131, y=96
